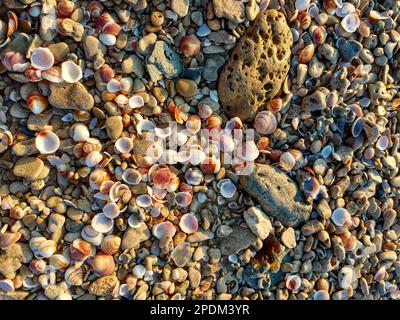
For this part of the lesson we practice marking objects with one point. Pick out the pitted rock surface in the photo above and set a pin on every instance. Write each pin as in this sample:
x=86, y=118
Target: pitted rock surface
x=257, y=66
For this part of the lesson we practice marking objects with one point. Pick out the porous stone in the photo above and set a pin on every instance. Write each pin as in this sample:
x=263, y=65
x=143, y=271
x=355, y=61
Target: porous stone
x=277, y=193
x=70, y=96
x=180, y=7
x=104, y=286
x=257, y=66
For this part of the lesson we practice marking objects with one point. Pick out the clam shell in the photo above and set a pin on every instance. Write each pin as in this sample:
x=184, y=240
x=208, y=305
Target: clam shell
x=131, y=176
x=183, y=199
x=124, y=145
x=91, y=235
x=47, y=248
x=74, y=276
x=161, y=177
x=35, y=242
x=117, y=191
x=80, y=249
x=9, y=238
x=247, y=151
x=102, y=264
x=47, y=142
x=14, y=61
x=111, y=244
x=79, y=132
x=287, y=161
x=265, y=122
x=144, y=201
x=193, y=124
x=101, y=223
x=58, y=262
x=144, y=125
x=293, y=282
x=36, y=102
x=111, y=210
x=164, y=229
x=71, y=72
x=227, y=188
x=97, y=177
x=93, y=159
x=54, y=74
x=340, y=216
x=350, y=22
x=382, y=143
x=357, y=127
x=136, y=102
x=108, y=39
x=321, y=295
x=194, y=176
x=42, y=58
x=7, y=285
x=188, y=223
x=113, y=86
x=312, y=187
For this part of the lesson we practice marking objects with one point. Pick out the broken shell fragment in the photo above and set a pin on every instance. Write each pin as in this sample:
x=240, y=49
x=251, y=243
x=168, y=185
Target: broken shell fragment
x=36, y=102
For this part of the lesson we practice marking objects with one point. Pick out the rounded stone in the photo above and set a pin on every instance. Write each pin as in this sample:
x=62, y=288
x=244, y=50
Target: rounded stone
x=186, y=88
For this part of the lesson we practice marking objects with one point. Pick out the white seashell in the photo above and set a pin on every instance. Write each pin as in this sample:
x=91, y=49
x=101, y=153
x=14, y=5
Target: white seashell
x=287, y=161
x=321, y=295
x=30, y=283
x=134, y=222
x=116, y=191
x=380, y=275
x=74, y=276
x=42, y=58
x=247, y=151
x=121, y=100
x=93, y=158
x=346, y=277
x=35, y=242
x=293, y=282
x=189, y=223
x=136, y=102
x=71, y=72
x=108, y=39
x=79, y=132
x=101, y=223
x=113, y=86
x=47, y=248
x=139, y=271
x=163, y=133
x=144, y=125
x=126, y=84
x=7, y=285
x=227, y=188
x=144, y=201
x=302, y=5
x=344, y=10
x=91, y=235
x=47, y=142
x=226, y=143
x=197, y=157
x=164, y=229
x=169, y=157
x=351, y=22
x=340, y=216
x=194, y=176
x=131, y=176
x=64, y=296
x=124, y=145
x=111, y=210
x=58, y=261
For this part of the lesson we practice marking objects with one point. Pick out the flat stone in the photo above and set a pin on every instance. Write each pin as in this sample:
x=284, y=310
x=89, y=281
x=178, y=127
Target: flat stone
x=104, y=286
x=92, y=47
x=312, y=227
x=186, y=88
x=60, y=51
x=288, y=238
x=257, y=66
x=20, y=43
x=238, y=240
x=70, y=96
x=25, y=148
x=258, y=222
x=134, y=65
x=37, y=122
x=182, y=254
x=29, y=167
x=145, y=44
x=277, y=193
x=133, y=236
x=180, y=7
x=233, y=10
x=163, y=62
x=114, y=127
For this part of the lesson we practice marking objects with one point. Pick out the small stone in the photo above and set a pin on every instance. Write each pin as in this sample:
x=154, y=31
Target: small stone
x=25, y=148
x=349, y=50
x=258, y=222
x=315, y=101
x=133, y=236
x=186, y=88
x=92, y=47
x=312, y=227
x=70, y=96
x=182, y=254
x=180, y=7
x=134, y=65
x=114, y=127
x=252, y=10
x=288, y=238
x=233, y=10
x=156, y=18
x=37, y=122
x=54, y=291
x=59, y=50
x=221, y=36
x=29, y=167
x=278, y=194
x=194, y=277
x=238, y=240
x=212, y=66
x=200, y=236
x=71, y=28
x=145, y=44
x=104, y=286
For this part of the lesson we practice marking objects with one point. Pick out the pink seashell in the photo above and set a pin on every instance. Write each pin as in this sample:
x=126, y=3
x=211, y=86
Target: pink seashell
x=15, y=61
x=95, y=8
x=183, y=199
x=210, y=165
x=161, y=177
x=205, y=111
x=190, y=45
x=351, y=22
x=319, y=35
x=12, y=24
x=189, y=223
x=293, y=282
x=65, y=8
x=79, y=250
x=38, y=266
x=164, y=229
x=42, y=58
x=112, y=28
x=33, y=75
x=53, y=74
x=107, y=73
x=305, y=20
x=265, y=122
x=36, y=102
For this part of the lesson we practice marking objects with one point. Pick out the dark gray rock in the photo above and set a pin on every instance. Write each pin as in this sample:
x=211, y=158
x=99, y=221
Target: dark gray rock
x=238, y=240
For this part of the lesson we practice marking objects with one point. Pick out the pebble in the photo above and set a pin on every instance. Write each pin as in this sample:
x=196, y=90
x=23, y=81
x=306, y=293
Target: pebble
x=60, y=51
x=349, y=50
x=93, y=47
x=70, y=96
x=134, y=65
x=180, y=7
x=114, y=127
x=133, y=236
x=182, y=254
x=288, y=238
x=104, y=286
x=186, y=88
x=145, y=44
x=238, y=240
x=258, y=222
x=231, y=10
x=28, y=167
x=311, y=227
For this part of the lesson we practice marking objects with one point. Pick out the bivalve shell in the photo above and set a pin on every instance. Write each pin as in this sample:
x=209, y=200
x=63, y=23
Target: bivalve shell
x=47, y=142
x=102, y=264
x=71, y=72
x=74, y=276
x=111, y=244
x=42, y=58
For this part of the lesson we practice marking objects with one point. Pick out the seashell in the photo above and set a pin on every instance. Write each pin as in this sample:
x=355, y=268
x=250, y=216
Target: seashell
x=265, y=122
x=190, y=45
x=12, y=24
x=102, y=264
x=143, y=201
x=117, y=190
x=113, y=86
x=210, y=165
x=14, y=61
x=163, y=133
x=302, y=5
x=380, y=275
x=213, y=121
x=139, y=271
x=275, y=105
x=382, y=143
x=93, y=159
x=126, y=84
x=74, y=276
x=194, y=176
x=188, y=223
x=144, y=125
x=111, y=244
x=329, y=6
x=305, y=20
x=161, y=177
x=7, y=285
x=65, y=8
x=173, y=185
x=42, y=58
x=108, y=39
x=357, y=127
x=106, y=73
x=312, y=187
x=112, y=28
x=321, y=295
x=340, y=216
x=183, y=199
x=345, y=277
x=131, y=176
x=35, y=242
x=58, y=262
x=164, y=229
x=234, y=123
x=47, y=142
x=9, y=238
x=71, y=72
x=47, y=248
x=103, y=20
x=33, y=75
x=79, y=250
x=306, y=53
x=263, y=143
x=36, y=102
x=111, y=210
x=247, y=151
x=319, y=35
x=95, y=9
x=204, y=111
x=365, y=28
x=54, y=74
x=297, y=154
x=227, y=188
x=350, y=22
x=97, y=177
x=287, y=161
x=124, y=145
x=91, y=235
x=38, y=266
x=193, y=124
x=64, y=296
x=349, y=242
x=344, y=10
x=79, y=132
x=101, y=223
x=226, y=143
x=293, y=282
